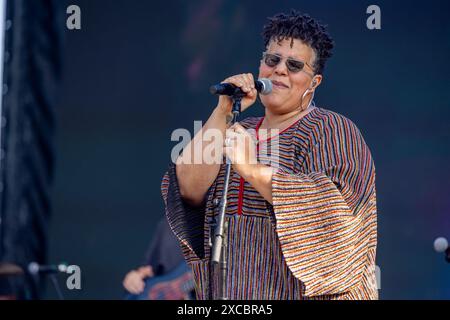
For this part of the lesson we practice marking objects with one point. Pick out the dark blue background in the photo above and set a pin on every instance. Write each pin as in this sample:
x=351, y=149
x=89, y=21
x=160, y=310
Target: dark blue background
x=140, y=69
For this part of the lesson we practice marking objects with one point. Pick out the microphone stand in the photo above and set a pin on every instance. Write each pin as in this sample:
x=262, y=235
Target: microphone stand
x=218, y=256
x=56, y=286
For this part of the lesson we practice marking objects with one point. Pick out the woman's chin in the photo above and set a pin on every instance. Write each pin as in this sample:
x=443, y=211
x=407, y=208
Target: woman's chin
x=272, y=104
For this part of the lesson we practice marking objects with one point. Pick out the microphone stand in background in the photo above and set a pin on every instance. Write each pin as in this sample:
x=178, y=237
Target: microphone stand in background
x=36, y=270
x=56, y=285
x=218, y=257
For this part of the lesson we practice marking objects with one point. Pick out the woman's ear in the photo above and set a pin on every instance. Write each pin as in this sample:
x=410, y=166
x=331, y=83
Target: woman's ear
x=316, y=82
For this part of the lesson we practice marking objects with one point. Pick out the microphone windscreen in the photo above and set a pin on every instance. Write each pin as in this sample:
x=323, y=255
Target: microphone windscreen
x=266, y=86
x=440, y=244
x=62, y=267
x=33, y=268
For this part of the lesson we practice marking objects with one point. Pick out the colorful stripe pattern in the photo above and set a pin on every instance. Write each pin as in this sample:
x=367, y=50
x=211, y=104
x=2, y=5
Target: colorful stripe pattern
x=318, y=239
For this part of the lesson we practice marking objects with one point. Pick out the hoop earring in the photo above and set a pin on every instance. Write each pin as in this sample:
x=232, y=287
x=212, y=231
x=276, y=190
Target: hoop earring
x=310, y=101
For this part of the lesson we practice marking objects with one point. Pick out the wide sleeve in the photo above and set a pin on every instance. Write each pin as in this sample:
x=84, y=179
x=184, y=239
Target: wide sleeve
x=325, y=216
x=186, y=222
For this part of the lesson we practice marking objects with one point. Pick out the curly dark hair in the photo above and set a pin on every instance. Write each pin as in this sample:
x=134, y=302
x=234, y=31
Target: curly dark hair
x=302, y=27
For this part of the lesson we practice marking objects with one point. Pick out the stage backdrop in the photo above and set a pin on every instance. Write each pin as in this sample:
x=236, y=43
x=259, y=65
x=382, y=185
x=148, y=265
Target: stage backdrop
x=139, y=69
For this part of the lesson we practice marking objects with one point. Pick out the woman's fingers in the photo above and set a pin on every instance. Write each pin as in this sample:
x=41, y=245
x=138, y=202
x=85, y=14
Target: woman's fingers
x=249, y=82
x=236, y=80
x=231, y=136
x=238, y=128
x=237, y=137
x=245, y=81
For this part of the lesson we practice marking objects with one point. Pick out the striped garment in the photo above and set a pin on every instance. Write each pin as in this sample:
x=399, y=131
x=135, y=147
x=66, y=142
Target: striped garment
x=318, y=239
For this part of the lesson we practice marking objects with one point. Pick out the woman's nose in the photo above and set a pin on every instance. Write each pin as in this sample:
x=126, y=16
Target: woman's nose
x=281, y=69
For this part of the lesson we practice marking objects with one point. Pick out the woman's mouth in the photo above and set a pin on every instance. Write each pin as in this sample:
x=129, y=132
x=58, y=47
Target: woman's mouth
x=278, y=84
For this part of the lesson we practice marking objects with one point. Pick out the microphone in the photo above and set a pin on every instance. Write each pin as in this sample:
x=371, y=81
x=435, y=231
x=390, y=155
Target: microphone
x=441, y=245
x=35, y=268
x=263, y=86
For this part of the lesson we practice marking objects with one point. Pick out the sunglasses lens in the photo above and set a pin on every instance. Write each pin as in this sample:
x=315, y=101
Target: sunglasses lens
x=295, y=66
x=272, y=60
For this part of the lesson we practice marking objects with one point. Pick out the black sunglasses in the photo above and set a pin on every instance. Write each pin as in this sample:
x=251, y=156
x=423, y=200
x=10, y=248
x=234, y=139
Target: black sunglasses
x=272, y=60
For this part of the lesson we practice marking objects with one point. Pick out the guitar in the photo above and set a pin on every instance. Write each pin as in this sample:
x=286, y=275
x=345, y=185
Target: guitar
x=175, y=285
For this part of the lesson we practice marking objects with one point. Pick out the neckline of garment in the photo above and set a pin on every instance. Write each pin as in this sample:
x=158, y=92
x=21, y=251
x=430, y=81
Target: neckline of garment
x=295, y=123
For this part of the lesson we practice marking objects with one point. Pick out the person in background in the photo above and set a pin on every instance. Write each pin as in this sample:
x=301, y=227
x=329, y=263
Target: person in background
x=163, y=256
